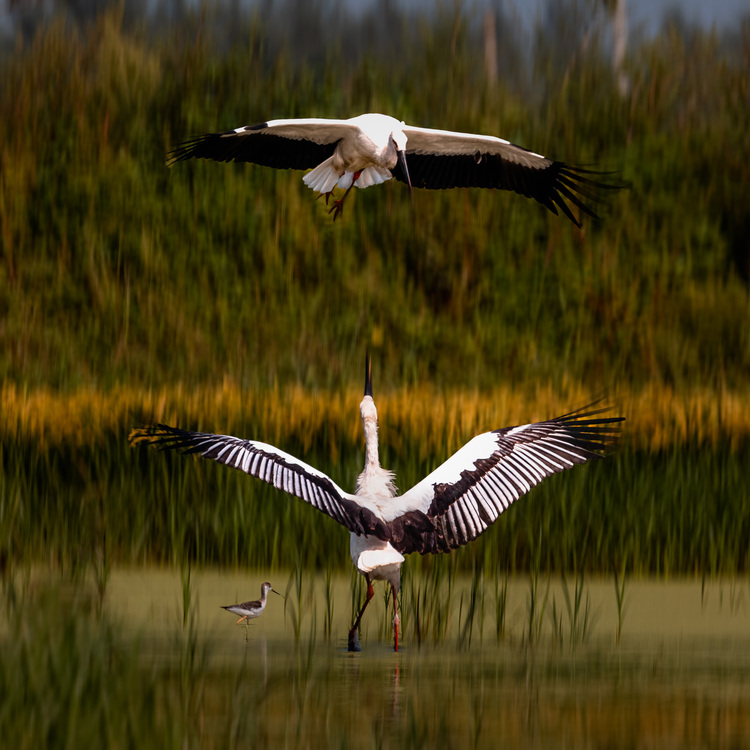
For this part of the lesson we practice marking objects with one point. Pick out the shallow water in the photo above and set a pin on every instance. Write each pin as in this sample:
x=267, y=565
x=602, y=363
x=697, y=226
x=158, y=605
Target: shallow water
x=656, y=612
x=679, y=677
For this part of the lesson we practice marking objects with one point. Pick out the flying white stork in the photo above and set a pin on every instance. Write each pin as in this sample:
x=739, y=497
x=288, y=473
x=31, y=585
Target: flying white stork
x=449, y=508
x=370, y=149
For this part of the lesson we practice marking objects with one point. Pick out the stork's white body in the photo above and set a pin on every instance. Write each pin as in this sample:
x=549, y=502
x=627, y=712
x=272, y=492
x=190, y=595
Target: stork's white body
x=451, y=507
x=375, y=558
x=368, y=148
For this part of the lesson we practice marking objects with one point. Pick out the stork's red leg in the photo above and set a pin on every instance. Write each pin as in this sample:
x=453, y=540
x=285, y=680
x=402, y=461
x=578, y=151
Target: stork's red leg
x=396, y=618
x=353, y=638
x=338, y=205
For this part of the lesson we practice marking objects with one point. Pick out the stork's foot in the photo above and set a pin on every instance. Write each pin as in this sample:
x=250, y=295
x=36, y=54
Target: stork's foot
x=337, y=208
x=354, y=641
x=338, y=204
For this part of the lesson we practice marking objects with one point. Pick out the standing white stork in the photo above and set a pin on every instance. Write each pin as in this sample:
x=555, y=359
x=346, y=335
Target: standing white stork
x=370, y=149
x=449, y=508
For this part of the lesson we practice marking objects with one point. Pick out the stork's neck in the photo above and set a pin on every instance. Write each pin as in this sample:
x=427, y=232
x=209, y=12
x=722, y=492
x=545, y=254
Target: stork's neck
x=372, y=459
x=369, y=415
x=374, y=481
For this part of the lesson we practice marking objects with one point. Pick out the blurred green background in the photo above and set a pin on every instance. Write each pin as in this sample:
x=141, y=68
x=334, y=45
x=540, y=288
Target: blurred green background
x=130, y=291
x=119, y=270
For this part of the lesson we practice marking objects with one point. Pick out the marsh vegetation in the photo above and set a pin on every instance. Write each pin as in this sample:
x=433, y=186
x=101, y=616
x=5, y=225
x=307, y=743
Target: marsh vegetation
x=222, y=298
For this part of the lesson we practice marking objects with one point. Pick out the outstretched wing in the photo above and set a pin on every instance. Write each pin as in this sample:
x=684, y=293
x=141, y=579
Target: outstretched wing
x=280, y=469
x=282, y=144
x=465, y=495
x=439, y=159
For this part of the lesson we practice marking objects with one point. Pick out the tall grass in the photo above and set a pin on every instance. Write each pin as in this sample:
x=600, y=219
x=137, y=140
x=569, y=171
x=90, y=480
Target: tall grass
x=119, y=270
x=84, y=498
x=222, y=297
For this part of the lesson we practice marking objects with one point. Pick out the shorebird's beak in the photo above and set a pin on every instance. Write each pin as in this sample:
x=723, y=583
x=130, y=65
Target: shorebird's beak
x=402, y=159
x=276, y=592
x=368, y=375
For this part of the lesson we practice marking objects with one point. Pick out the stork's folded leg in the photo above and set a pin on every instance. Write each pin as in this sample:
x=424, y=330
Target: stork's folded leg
x=353, y=636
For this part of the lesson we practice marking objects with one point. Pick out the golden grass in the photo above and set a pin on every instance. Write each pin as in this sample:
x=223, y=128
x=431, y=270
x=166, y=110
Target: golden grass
x=657, y=417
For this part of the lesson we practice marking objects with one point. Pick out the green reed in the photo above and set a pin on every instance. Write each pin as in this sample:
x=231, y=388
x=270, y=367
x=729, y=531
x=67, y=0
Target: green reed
x=428, y=585
x=620, y=581
x=673, y=512
x=70, y=677
x=501, y=605
x=580, y=617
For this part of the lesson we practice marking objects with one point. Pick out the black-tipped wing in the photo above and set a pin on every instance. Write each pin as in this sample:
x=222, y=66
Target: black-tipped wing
x=440, y=159
x=266, y=462
x=282, y=144
x=465, y=495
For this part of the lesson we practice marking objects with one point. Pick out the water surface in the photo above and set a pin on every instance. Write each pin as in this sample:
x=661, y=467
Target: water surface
x=679, y=676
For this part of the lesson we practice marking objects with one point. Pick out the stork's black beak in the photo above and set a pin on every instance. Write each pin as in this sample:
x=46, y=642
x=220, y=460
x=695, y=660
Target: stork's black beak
x=368, y=375
x=402, y=159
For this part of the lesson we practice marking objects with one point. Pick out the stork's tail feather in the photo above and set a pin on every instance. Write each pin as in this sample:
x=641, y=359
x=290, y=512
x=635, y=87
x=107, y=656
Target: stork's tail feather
x=373, y=176
x=323, y=178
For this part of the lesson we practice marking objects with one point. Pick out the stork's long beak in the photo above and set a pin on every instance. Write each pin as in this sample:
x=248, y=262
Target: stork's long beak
x=402, y=159
x=368, y=375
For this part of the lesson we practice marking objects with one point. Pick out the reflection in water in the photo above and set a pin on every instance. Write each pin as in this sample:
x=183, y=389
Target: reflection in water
x=682, y=694
x=396, y=692
x=678, y=678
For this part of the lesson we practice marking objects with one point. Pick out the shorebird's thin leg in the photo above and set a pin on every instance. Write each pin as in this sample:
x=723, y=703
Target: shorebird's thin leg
x=396, y=619
x=353, y=637
x=244, y=617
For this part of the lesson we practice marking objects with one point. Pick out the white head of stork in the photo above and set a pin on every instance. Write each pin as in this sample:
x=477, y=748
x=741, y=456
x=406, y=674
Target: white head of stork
x=450, y=507
x=371, y=148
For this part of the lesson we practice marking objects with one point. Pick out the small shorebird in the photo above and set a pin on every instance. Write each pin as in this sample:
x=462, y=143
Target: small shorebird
x=449, y=508
x=370, y=149
x=251, y=610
